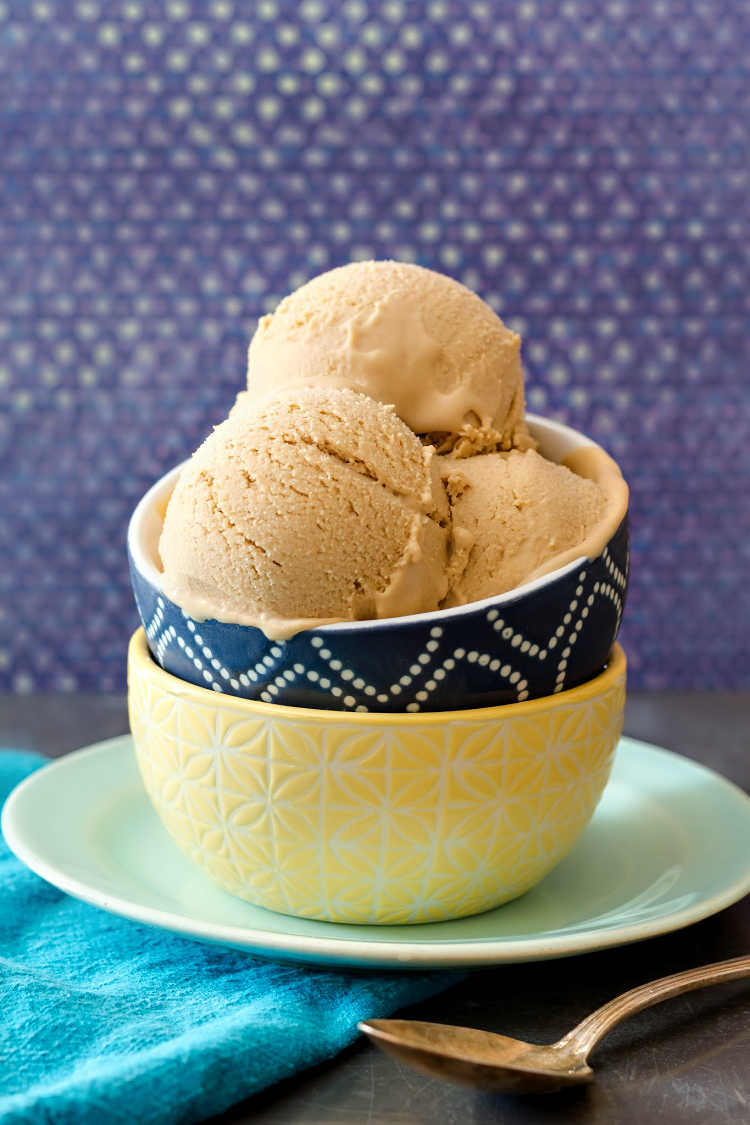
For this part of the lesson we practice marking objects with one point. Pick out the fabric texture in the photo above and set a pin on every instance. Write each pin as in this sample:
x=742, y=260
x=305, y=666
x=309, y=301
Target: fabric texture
x=104, y=1020
x=169, y=169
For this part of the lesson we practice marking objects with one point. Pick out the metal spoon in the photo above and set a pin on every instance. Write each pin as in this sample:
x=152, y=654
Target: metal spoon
x=496, y=1062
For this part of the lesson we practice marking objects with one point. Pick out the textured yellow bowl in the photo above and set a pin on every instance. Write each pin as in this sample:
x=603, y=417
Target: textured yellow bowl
x=372, y=817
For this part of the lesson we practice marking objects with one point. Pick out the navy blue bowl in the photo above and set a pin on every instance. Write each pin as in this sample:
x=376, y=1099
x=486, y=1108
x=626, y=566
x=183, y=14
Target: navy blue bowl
x=541, y=638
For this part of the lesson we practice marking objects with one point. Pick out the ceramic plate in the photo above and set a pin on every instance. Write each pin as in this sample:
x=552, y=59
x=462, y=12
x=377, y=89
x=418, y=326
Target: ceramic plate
x=668, y=845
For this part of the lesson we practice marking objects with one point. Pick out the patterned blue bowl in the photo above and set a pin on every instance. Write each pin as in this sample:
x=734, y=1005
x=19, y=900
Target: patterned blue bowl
x=541, y=638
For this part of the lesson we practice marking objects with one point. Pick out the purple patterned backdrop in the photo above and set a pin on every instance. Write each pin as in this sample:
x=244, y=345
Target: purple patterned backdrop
x=170, y=168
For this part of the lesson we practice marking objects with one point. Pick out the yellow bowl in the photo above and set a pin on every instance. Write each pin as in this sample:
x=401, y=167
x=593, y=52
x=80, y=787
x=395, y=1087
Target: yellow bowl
x=364, y=817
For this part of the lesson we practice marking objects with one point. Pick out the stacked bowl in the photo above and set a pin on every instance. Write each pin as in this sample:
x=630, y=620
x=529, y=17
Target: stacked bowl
x=402, y=770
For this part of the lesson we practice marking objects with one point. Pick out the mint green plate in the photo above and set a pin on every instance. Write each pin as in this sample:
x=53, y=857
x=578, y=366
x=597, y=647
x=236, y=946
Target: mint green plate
x=668, y=845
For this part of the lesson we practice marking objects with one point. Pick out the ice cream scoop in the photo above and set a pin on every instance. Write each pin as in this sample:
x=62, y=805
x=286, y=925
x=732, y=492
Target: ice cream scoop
x=516, y=516
x=317, y=506
x=404, y=335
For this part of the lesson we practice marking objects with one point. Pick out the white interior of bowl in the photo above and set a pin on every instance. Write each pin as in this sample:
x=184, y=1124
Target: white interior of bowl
x=557, y=442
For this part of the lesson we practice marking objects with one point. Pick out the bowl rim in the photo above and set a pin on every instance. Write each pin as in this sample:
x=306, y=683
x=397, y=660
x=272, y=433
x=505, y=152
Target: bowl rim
x=564, y=438
x=141, y=660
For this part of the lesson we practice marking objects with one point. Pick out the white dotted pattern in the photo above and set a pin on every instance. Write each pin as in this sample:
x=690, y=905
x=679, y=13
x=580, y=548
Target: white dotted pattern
x=414, y=687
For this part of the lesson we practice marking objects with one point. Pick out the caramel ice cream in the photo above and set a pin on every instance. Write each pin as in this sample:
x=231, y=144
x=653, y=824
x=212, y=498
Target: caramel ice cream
x=516, y=516
x=318, y=505
x=379, y=465
x=406, y=336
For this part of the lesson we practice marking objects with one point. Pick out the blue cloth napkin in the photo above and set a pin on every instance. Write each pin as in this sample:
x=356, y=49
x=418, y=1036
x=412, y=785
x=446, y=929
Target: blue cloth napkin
x=105, y=1020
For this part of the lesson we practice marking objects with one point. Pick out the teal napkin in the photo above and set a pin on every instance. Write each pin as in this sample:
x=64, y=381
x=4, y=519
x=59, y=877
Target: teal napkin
x=105, y=1020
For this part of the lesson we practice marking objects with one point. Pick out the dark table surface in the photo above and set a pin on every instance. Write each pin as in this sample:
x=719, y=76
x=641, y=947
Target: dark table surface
x=686, y=1061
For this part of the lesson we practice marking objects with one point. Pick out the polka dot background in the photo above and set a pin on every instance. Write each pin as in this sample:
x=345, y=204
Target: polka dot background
x=170, y=168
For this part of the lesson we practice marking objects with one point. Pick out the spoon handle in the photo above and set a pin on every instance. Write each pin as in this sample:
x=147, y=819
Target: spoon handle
x=589, y=1031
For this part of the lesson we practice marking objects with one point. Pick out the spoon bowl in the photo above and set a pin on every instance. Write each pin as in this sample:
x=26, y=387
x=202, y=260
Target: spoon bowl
x=497, y=1062
x=478, y=1058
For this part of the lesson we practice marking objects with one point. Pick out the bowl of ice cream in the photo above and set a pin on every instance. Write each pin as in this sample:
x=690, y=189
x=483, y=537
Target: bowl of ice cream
x=372, y=817
x=539, y=637
x=378, y=525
